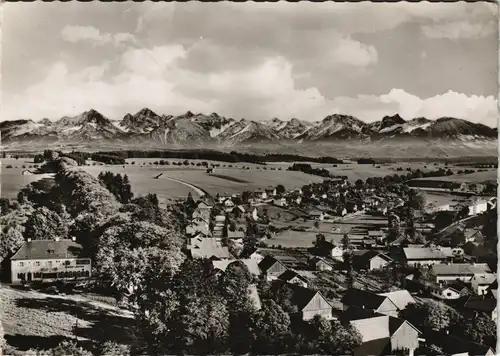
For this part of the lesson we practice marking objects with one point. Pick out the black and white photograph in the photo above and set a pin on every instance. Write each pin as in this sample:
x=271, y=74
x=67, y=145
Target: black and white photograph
x=248, y=178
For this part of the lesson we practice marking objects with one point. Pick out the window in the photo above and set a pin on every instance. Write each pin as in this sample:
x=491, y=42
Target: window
x=21, y=264
x=83, y=262
x=448, y=294
x=37, y=263
x=49, y=263
x=67, y=262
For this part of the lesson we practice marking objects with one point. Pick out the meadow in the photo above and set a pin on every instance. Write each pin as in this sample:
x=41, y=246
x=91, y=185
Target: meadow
x=478, y=177
x=12, y=180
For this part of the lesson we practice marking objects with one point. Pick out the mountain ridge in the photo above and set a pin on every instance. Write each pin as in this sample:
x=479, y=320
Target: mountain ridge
x=149, y=126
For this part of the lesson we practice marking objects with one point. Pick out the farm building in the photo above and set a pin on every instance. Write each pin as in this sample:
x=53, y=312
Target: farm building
x=443, y=291
x=271, y=268
x=370, y=260
x=385, y=335
x=293, y=277
x=459, y=271
x=320, y=264
x=480, y=304
x=480, y=283
x=474, y=236
x=210, y=248
x=252, y=265
x=401, y=298
x=367, y=300
x=427, y=255
x=309, y=302
x=48, y=261
x=457, y=346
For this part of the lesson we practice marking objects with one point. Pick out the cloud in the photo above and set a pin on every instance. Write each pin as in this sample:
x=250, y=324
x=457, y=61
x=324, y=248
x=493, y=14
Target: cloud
x=75, y=34
x=459, y=30
x=354, y=53
x=155, y=78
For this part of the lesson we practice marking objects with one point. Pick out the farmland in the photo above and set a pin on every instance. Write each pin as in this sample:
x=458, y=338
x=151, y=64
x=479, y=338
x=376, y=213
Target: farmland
x=478, y=177
x=332, y=230
x=12, y=180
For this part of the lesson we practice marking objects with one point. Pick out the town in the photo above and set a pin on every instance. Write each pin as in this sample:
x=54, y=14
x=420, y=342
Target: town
x=338, y=267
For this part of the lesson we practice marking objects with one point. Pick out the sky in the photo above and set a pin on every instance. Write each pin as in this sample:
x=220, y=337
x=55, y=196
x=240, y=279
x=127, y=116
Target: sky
x=250, y=60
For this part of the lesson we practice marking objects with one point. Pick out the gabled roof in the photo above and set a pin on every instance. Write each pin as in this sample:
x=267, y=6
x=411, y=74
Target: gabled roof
x=401, y=298
x=209, y=247
x=453, y=345
x=357, y=313
x=268, y=262
x=370, y=254
x=486, y=305
x=485, y=279
x=374, y=347
x=251, y=264
x=362, y=298
x=463, y=269
x=432, y=253
x=288, y=275
x=48, y=249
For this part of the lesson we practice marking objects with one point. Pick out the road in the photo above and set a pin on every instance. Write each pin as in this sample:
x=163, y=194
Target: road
x=197, y=189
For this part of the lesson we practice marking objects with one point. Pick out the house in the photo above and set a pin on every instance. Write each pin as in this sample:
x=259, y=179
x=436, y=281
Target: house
x=480, y=283
x=331, y=249
x=293, y=277
x=401, y=298
x=237, y=233
x=256, y=255
x=270, y=192
x=210, y=248
x=427, y=255
x=463, y=289
x=220, y=220
x=271, y=268
x=320, y=264
x=481, y=304
x=478, y=206
x=385, y=335
x=27, y=172
x=443, y=291
x=205, y=204
x=459, y=271
x=377, y=235
x=228, y=203
x=203, y=214
x=473, y=235
x=280, y=202
x=457, y=346
x=370, y=260
x=308, y=302
x=371, y=301
x=252, y=265
x=195, y=227
x=255, y=214
x=48, y=261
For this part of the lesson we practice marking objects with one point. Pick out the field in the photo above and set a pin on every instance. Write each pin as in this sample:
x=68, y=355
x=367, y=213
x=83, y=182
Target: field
x=37, y=320
x=12, y=180
x=333, y=231
x=478, y=177
x=225, y=181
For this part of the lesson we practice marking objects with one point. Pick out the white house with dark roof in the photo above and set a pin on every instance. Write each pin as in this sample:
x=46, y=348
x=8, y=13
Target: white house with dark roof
x=427, y=255
x=49, y=261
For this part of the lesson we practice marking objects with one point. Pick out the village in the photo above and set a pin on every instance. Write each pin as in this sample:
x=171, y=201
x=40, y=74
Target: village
x=368, y=255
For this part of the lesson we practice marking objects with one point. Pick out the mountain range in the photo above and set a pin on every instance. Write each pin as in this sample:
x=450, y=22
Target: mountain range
x=148, y=126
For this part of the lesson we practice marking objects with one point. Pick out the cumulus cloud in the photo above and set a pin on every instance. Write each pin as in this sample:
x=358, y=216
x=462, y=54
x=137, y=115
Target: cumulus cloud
x=459, y=30
x=76, y=34
x=354, y=53
x=155, y=78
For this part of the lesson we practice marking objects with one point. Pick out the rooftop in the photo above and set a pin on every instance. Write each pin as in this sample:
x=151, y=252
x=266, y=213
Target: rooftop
x=460, y=269
x=401, y=298
x=421, y=253
x=48, y=249
x=251, y=264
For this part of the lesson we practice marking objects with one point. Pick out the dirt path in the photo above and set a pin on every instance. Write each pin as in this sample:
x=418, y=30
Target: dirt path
x=197, y=189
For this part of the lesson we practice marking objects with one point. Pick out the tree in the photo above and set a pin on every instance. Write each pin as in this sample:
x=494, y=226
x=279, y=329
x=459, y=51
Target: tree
x=70, y=348
x=394, y=223
x=4, y=206
x=482, y=330
x=431, y=314
x=110, y=348
x=118, y=185
x=348, y=258
x=45, y=224
x=417, y=200
x=280, y=189
x=271, y=325
x=463, y=212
